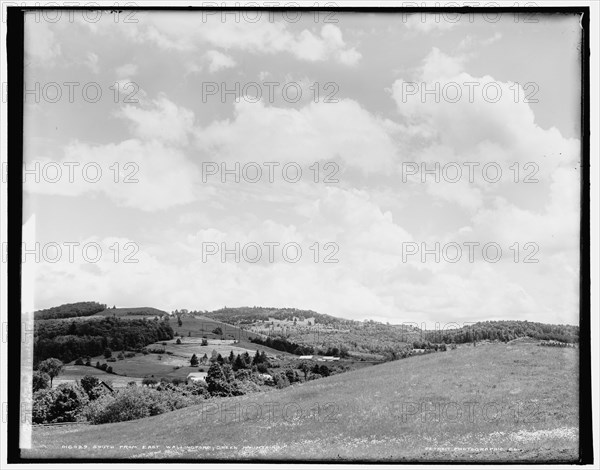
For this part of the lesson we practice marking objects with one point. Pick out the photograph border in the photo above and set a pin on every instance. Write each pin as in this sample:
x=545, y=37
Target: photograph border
x=15, y=107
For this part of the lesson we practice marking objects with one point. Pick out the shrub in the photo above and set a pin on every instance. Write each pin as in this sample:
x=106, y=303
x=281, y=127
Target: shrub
x=104, y=366
x=109, y=369
x=121, y=356
x=129, y=354
x=281, y=381
x=221, y=381
x=178, y=341
x=58, y=405
x=144, y=351
x=79, y=362
x=107, y=353
x=134, y=403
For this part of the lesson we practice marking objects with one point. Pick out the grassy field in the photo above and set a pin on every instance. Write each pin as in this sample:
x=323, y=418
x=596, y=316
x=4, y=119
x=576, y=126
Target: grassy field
x=72, y=373
x=164, y=365
x=493, y=402
x=175, y=362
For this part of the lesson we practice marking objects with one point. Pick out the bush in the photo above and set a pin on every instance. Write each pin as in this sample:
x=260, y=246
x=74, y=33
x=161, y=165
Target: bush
x=221, y=381
x=121, y=356
x=109, y=370
x=178, y=341
x=129, y=354
x=107, y=353
x=111, y=359
x=144, y=351
x=62, y=404
x=134, y=403
x=104, y=366
x=281, y=381
x=79, y=362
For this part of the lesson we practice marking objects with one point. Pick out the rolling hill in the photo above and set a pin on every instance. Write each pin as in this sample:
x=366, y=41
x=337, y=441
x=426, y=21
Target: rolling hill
x=494, y=402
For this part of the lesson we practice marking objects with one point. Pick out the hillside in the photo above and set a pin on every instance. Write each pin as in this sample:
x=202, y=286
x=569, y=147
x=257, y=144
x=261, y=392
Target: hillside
x=132, y=312
x=514, y=402
x=375, y=339
x=241, y=315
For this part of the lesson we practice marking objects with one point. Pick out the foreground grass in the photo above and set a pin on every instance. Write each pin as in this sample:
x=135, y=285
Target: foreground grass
x=494, y=402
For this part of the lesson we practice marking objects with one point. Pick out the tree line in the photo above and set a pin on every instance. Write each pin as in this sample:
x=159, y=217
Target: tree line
x=282, y=344
x=68, y=340
x=505, y=331
x=77, y=309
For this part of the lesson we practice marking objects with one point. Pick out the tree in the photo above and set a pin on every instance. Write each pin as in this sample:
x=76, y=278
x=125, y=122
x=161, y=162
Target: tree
x=189, y=333
x=178, y=341
x=194, y=360
x=52, y=367
x=231, y=357
x=256, y=359
x=121, y=356
x=79, y=361
x=213, y=355
x=218, y=331
x=179, y=322
x=41, y=380
x=107, y=353
x=305, y=368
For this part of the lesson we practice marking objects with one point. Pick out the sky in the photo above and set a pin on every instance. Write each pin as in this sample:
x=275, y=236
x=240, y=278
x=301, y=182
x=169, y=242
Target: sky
x=161, y=102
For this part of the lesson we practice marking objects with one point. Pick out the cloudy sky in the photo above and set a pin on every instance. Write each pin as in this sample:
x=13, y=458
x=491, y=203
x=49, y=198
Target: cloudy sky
x=339, y=94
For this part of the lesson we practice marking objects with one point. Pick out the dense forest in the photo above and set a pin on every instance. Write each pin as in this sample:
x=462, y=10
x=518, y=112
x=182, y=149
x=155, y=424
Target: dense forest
x=78, y=309
x=281, y=344
x=505, y=331
x=68, y=340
